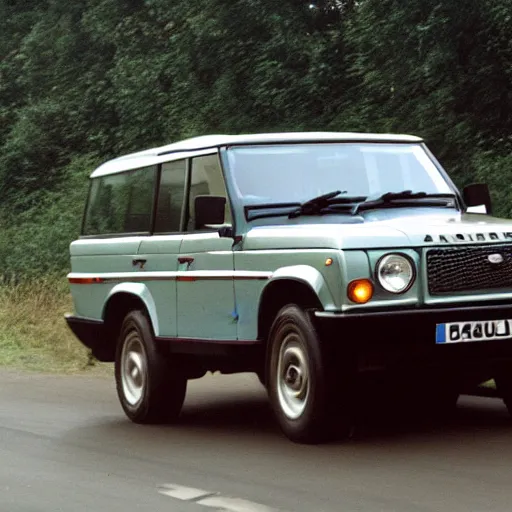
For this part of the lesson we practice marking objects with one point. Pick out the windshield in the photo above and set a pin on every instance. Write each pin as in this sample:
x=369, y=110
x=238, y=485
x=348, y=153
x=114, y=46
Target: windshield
x=289, y=173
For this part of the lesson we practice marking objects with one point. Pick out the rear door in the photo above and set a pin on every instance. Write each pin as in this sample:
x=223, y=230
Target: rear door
x=117, y=219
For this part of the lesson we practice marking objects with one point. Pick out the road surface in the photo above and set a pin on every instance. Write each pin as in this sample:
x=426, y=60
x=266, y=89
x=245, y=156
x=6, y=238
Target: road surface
x=65, y=445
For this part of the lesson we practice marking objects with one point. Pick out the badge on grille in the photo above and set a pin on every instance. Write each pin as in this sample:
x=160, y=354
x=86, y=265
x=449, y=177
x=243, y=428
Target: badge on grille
x=495, y=258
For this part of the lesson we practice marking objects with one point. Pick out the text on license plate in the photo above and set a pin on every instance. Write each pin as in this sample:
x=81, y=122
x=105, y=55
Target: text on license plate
x=461, y=332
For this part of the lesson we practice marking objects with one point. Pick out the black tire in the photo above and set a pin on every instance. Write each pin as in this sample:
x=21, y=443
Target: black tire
x=162, y=388
x=326, y=413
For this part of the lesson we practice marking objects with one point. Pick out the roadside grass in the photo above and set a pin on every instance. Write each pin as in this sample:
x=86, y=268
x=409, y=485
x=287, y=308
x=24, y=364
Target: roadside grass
x=33, y=332
x=490, y=384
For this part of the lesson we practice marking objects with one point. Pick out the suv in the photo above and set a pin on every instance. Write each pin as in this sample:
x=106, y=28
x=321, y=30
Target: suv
x=311, y=259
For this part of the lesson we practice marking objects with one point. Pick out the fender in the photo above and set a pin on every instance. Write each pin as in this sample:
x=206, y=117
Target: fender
x=309, y=276
x=141, y=291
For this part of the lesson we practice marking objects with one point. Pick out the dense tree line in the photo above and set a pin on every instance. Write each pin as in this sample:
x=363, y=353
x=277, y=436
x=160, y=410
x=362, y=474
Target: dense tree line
x=85, y=80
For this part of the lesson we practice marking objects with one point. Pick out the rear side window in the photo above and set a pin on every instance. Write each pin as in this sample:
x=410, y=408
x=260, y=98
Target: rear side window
x=121, y=203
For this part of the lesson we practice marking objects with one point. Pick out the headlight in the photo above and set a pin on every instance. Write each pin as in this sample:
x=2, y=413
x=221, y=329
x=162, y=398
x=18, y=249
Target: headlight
x=395, y=273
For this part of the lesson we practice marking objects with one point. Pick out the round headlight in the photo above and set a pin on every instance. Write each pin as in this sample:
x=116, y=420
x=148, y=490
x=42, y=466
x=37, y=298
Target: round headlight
x=395, y=273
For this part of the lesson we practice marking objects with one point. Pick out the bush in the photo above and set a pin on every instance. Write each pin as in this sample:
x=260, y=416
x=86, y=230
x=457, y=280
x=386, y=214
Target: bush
x=495, y=169
x=36, y=242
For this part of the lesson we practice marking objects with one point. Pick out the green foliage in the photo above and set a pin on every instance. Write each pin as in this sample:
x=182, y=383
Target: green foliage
x=496, y=170
x=83, y=81
x=36, y=241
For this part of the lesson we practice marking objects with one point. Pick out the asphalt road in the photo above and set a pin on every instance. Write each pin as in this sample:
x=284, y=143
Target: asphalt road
x=66, y=446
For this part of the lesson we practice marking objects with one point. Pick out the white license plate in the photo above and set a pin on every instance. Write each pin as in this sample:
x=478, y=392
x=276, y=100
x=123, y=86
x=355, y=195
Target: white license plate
x=463, y=332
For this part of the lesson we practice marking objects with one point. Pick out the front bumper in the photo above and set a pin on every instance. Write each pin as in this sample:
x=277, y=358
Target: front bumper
x=407, y=339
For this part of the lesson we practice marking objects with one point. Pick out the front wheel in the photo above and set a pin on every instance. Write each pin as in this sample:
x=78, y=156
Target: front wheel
x=149, y=388
x=309, y=406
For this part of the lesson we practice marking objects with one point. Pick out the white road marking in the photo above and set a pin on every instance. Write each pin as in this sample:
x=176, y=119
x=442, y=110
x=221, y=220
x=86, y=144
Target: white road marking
x=233, y=504
x=180, y=492
x=212, y=499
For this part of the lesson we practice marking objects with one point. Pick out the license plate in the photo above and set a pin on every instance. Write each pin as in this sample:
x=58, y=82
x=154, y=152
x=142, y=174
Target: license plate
x=463, y=332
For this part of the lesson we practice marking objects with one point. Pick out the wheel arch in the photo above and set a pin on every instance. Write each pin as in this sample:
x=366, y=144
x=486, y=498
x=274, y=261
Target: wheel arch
x=122, y=299
x=302, y=285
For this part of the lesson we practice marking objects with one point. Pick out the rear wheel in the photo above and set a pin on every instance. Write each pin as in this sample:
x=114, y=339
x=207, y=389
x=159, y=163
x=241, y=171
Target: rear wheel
x=308, y=404
x=149, y=388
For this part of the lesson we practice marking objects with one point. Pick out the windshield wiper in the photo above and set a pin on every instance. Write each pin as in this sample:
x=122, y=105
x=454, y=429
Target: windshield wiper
x=405, y=198
x=250, y=208
x=331, y=204
x=326, y=203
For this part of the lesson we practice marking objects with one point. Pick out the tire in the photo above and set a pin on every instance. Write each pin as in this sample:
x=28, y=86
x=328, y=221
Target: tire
x=149, y=389
x=308, y=406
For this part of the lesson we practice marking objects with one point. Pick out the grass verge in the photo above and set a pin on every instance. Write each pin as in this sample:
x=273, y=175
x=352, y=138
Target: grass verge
x=33, y=332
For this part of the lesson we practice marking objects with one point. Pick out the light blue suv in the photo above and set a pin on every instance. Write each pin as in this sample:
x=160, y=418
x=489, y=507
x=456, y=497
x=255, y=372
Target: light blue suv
x=312, y=259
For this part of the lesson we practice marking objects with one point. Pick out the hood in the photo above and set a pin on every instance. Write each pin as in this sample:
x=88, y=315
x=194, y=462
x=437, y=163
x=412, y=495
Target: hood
x=383, y=229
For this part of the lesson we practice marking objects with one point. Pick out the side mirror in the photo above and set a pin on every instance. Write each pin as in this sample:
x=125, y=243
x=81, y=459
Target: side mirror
x=477, y=198
x=209, y=210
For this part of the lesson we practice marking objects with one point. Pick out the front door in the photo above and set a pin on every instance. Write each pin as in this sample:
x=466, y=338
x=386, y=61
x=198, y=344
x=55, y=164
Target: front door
x=206, y=301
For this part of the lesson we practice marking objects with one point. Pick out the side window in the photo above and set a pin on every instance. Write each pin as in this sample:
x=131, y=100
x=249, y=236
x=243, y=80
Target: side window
x=121, y=203
x=170, y=197
x=206, y=179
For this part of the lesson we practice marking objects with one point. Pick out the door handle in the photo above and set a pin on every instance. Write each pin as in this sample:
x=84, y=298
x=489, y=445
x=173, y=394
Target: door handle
x=140, y=263
x=186, y=259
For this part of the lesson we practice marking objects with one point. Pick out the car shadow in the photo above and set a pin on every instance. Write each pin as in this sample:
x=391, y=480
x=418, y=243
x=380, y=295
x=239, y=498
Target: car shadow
x=375, y=420
x=472, y=414
x=241, y=415
x=245, y=415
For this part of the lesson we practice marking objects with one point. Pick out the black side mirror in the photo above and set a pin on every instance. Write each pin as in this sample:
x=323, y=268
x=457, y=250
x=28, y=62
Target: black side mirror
x=476, y=195
x=209, y=210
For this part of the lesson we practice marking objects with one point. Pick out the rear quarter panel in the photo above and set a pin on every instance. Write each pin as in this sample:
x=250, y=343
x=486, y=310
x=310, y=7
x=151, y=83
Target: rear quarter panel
x=92, y=258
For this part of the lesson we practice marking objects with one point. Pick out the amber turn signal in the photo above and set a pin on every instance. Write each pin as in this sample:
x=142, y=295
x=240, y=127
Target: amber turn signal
x=360, y=291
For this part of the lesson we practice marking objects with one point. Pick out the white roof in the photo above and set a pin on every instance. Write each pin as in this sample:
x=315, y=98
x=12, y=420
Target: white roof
x=186, y=148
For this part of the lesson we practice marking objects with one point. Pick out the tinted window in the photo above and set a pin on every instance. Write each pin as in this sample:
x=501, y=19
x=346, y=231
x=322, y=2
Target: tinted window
x=121, y=203
x=170, y=197
x=206, y=179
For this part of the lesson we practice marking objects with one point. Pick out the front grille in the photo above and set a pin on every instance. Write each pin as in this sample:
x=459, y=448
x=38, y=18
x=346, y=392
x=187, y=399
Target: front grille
x=464, y=269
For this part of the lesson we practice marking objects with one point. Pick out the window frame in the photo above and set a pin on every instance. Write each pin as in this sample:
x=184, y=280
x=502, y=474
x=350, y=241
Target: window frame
x=184, y=214
x=124, y=234
x=157, y=197
x=186, y=211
